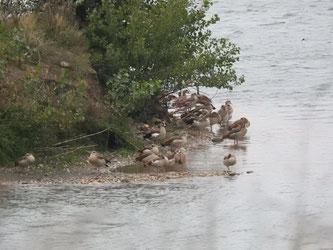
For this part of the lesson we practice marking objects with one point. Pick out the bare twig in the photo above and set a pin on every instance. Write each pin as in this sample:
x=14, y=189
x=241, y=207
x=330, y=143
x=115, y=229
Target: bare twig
x=72, y=151
x=79, y=138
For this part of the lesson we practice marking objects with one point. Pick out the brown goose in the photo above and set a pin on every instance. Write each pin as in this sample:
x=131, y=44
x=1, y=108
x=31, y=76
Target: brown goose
x=26, y=160
x=223, y=112
x=229, y=161
x=176, y=141
x=201, y=123
x=153, y=148
x=97, y=160
x=161, y=162
x=214, y=118
x=241, y=122
x=179, y=157
x=230, y=110
x=236, y=134
x=159, y=132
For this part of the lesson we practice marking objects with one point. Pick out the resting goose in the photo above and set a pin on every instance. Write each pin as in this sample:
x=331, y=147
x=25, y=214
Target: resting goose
x=189, y=103
x=149, y=159
x=161, y=162
x=179, y=157
x=182, y=98
x=204, y=100
x=97, y=160
x=150, y=149
x=229, y=161
x=176, y=141
x=26, y=160
x=159, y=132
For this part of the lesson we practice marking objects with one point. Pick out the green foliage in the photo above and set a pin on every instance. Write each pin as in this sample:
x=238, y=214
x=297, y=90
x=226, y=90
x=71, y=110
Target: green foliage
x=14, y=49
x=166, y=41
x=35, y=114
x=18, y=133
x=127, y=96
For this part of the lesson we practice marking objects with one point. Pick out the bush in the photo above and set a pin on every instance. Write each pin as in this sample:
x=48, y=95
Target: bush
x=166, y=41
x=36, y=114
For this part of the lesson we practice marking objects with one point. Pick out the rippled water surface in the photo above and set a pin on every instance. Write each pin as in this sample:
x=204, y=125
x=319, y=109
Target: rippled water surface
x=287, y=57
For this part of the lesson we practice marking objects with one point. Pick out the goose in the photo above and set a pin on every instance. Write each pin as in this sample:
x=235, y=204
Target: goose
x=143, y=155
x=97, y=160
x=204, y=100
x=159, y=132
x=25, y=161
x=189, y=103
x=236, y=134
x=182, y=98
x=176, y=141
x=214, y=118
x=223, y=112
x=161, y=162
x=241, y=122
x=150, y=158
x=201, y=123
x=195, y=114
x=179, y=157
x=153, y=148
x=230, y=110
x=229, y=161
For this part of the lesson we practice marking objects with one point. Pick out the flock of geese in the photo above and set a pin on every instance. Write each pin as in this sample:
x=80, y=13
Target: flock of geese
x=196, y=111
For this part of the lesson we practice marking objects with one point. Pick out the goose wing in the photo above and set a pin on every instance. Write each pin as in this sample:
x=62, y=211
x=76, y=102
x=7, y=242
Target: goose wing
x=170, y=140
x=233, y=131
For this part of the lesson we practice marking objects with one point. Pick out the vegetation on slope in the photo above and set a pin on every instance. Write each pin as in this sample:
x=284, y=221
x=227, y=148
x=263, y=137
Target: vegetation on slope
x=69, y=69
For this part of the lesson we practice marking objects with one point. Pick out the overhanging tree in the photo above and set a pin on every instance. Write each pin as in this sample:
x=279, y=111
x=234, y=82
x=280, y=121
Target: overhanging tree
x=164, y=41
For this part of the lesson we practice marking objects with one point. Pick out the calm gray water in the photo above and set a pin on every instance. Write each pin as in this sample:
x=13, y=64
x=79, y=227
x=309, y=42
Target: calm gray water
x=287, y=203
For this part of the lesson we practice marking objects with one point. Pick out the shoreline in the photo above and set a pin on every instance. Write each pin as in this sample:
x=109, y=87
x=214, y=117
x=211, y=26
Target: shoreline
x=127, y=170
x=122, y=178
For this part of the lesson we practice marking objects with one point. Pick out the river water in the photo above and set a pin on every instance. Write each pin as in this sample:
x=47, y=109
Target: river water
x=287, y=203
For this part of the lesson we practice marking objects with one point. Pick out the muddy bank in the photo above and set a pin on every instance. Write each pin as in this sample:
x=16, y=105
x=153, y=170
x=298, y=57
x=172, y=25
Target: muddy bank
x=118, y=177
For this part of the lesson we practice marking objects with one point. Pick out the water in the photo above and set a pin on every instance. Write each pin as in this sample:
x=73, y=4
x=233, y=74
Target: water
x=285, y=204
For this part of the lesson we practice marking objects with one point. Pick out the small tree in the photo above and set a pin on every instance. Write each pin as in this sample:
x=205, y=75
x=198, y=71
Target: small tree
x=162, y=41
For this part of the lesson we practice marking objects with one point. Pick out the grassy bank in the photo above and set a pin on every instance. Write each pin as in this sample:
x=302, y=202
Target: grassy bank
x=49, y=92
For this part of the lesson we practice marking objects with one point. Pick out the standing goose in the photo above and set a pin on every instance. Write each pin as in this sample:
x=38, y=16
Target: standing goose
x=26, y=160
x=201, y=123
x=214, y=118
x=230, y=110
x=236, y=134
x=223, y=112
x=229, y=161
x=241, y=122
